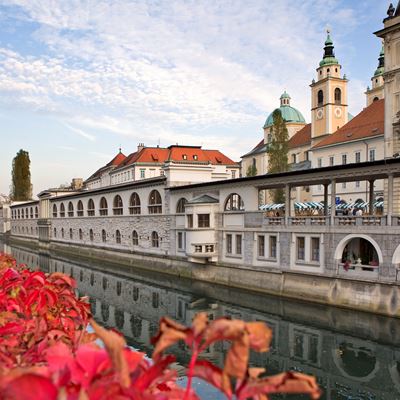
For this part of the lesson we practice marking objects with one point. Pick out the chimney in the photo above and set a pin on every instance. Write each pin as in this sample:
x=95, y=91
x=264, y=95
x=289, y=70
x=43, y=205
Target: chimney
x=140, y=147
x=77, y=183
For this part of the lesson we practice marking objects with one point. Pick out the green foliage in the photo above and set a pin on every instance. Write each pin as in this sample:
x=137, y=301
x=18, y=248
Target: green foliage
x=278, y=152
x=21, y=187
x=251, y=170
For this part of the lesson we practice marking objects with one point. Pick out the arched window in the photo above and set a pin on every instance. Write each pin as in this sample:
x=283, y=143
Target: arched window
x=180, y=207
x=375, y=99
x=103, y=206
x=154, y=239
x=71, y=233
x=80, y=209
x=320, y=98
x=32, y=230
x=62, y=233
x=62, y=210
x=155, y=203
x=27, y=213
x=31, y=212
x=55, y=232
x=234, y=203
x=70, y=209
x=90, y=208
x=91, y=235
x=55, y=211
x=19, y=214
x=338, y=96
x=118, y=206
x=118, y=236
x=135, y=238
x=80, y=234
x=22, y=213
x=103, y=236
x=36, y=212
x=134, y=204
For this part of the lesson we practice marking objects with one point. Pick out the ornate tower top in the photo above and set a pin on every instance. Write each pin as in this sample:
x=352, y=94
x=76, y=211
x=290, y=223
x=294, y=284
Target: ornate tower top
x=381, y=63
x=285, y=99
x=329, y=54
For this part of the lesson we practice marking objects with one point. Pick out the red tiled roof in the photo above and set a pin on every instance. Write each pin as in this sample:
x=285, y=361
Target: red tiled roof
x=177, y=153
x=301, y=138
x=369, y=122
x=117, y=160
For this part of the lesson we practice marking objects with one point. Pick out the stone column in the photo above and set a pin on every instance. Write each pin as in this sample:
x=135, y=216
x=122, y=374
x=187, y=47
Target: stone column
x=287, y=204
x=326, y=199
x=333, y=201
x=389, y=201
x=371, y=196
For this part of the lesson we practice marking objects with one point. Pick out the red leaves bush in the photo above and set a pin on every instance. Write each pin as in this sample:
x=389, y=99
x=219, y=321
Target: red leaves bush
x=47, y=353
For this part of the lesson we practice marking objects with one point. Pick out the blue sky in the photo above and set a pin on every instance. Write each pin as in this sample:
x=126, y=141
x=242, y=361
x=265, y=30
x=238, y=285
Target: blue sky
x=78, y=79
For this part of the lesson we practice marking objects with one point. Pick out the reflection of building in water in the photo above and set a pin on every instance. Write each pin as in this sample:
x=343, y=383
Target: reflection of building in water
x=343, y=365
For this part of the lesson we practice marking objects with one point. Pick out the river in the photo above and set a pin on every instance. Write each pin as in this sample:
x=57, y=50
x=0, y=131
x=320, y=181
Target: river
x=353, y=355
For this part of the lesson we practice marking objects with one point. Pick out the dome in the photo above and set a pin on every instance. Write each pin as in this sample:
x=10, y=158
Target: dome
x=289, y=113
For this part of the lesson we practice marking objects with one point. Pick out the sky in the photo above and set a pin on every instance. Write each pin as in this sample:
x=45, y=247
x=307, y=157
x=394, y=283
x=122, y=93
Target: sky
x=79, y=79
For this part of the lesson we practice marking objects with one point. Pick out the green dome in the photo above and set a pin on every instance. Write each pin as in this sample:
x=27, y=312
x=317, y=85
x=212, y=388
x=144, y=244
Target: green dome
x=289, y=114
x=285, y=95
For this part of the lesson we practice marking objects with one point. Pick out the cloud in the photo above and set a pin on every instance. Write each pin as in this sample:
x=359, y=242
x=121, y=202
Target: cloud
x=80, y=132
x=176, y=70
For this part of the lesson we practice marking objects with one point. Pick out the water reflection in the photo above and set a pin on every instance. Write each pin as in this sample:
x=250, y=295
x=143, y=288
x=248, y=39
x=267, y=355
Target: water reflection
x=353, y=355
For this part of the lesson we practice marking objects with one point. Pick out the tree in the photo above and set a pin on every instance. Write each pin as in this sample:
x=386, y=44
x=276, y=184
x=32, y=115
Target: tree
x=278, y=152
x=21, y=187
x=251, y=170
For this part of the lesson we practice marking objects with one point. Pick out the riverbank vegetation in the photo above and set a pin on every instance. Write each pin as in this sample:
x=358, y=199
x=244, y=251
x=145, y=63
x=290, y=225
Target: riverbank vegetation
x=48, y=353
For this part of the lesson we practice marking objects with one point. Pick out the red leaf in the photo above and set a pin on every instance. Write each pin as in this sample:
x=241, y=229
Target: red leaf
x=12, y=328
x=30, y=387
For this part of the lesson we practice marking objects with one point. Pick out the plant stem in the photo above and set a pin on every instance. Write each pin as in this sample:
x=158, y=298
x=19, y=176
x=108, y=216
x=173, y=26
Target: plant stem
x=190, y=372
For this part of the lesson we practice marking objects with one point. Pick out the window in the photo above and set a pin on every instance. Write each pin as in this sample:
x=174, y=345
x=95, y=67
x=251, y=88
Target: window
x=103, y=236
x=80, y=234
x=238, y=244
x=142, y=173
x=372, y=155
x=155, y=301
x=338, y=96
x=118, y=205
x=229, y=243
x=358, y=156
x=62, y=210
x=331, y=161
x=306, y=155
x=31, y=212
x=272, y=246
x=261, y=246
x=320, y=98
x=190, y=220
x=55, y=232
x=154, y=239
x=71, y=233
x=91, y=235
x=70, y=209
x=233, y=174
x=134, y=204
x=62, y=233
x=135, y=238
x=180, y=207
x=357, y=184
x=314, y=249
x=90, y=208
x=103, y=206
x=54, y=211
x=294, y=158
x=344, y=159
x=203, y=220
x=301, y=248
x=319, y=161
x=155, y=203
x=344, y=185
x=79, y=211
x=234, y=203
x=195, y=157
x=118, y=236
x=181, y=240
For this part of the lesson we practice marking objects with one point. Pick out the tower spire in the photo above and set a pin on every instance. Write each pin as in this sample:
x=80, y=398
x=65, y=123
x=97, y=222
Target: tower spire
x=329, y=53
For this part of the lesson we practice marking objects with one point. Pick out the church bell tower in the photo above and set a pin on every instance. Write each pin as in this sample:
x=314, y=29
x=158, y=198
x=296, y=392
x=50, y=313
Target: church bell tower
x=328, y=96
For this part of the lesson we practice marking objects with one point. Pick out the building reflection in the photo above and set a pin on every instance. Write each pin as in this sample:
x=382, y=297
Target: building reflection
x=352, y=355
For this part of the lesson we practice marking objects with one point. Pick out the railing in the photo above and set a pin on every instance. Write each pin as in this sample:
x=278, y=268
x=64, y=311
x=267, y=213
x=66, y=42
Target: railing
x=358, y=269
x=313, y=220
x=275, y=220
x=361, y=220
x=203, y=249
